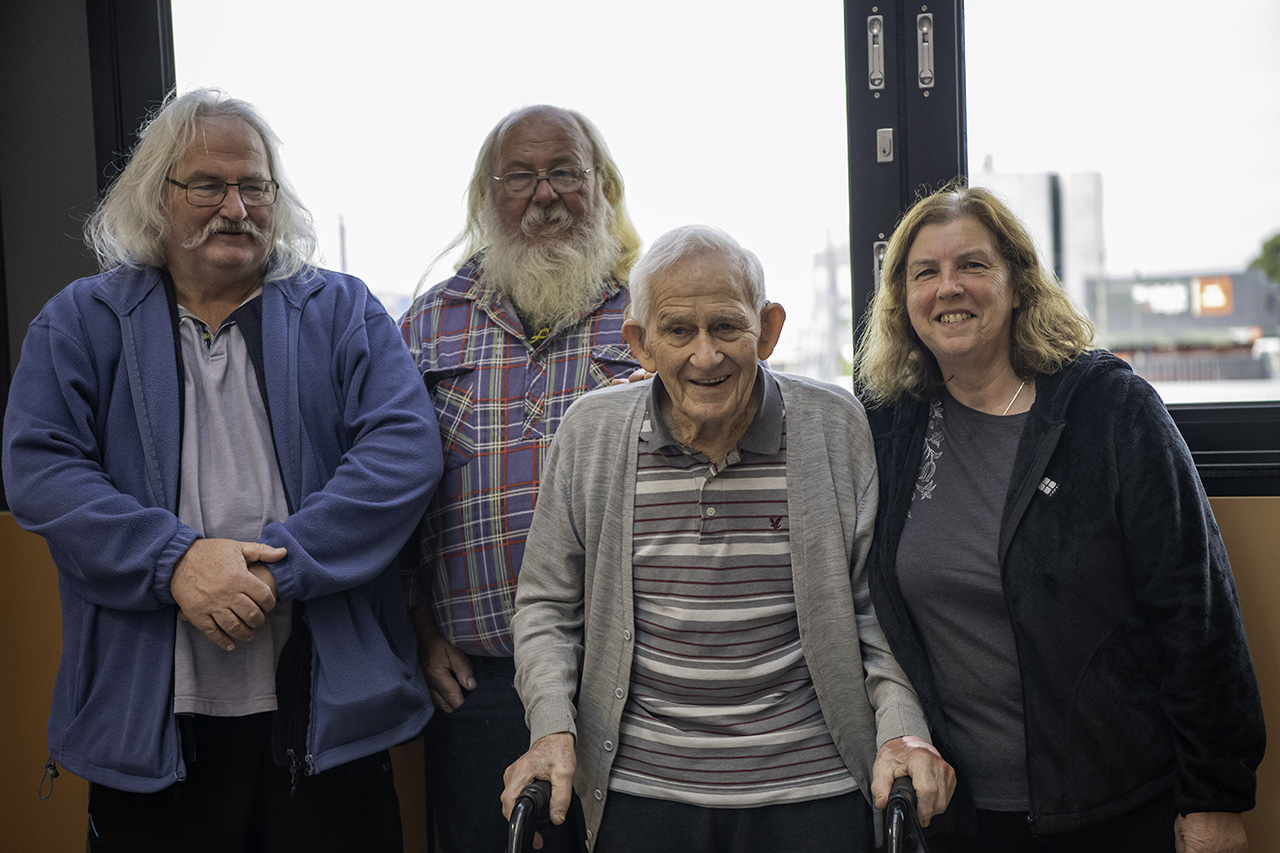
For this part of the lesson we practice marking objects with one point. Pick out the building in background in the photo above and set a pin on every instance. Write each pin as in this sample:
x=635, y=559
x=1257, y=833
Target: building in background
x=1190, y=327
x=818, y=335
x=1064, y=215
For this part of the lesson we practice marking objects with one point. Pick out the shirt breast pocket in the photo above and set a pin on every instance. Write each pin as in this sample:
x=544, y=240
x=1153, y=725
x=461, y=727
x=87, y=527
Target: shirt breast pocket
x=611, y=362
x=453, y=391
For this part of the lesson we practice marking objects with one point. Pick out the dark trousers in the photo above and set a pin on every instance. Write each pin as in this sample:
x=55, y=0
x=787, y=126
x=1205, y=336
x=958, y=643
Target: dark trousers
x=236, y=799
x=467, y=751
x=642, y=825
x=1146, y=829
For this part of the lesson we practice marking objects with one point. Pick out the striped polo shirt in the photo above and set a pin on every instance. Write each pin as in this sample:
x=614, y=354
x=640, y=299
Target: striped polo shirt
x=722, y=711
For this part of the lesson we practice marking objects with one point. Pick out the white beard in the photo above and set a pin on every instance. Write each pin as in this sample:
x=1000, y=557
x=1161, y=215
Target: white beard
x=556, y=278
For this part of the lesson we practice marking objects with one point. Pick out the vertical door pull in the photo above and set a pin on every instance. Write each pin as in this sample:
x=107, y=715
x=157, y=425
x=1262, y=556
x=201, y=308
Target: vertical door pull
x=875, y=52
x=924, y=49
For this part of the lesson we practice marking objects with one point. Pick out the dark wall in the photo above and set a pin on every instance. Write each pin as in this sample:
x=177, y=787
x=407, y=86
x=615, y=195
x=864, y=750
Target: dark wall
x=47, y=162
x=76, y=79
x=48, y=168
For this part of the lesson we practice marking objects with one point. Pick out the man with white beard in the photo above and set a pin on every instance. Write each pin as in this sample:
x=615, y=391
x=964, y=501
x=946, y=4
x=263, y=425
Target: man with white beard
x=531, y=320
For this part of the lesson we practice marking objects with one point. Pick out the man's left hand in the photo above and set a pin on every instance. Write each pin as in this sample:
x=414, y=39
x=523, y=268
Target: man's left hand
x=933, y=778
x=1209, y=832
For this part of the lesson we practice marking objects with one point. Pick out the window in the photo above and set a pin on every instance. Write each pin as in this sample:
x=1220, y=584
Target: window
x=726, y=114
x=1136, y=140
x=1147, y=164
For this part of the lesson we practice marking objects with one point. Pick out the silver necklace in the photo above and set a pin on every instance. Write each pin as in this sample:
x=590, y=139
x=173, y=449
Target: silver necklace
x=1015, y=398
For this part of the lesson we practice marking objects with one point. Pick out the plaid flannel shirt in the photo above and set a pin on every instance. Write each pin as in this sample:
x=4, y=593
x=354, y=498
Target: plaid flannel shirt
x=499, y=398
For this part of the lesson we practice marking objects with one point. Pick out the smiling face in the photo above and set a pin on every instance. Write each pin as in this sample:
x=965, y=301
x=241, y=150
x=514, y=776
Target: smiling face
x=959, y=296
x=222, y=248
x=703, y=340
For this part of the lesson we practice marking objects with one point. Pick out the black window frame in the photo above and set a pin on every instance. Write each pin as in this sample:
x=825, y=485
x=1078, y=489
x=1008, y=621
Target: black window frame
x=1236, y=446
x=131, y=69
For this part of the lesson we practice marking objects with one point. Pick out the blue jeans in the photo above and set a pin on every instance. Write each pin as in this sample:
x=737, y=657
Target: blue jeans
x=466, y=752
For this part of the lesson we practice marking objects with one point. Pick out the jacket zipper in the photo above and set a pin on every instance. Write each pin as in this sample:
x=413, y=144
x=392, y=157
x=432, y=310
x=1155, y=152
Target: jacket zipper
x=293, y=701
x=306, y=763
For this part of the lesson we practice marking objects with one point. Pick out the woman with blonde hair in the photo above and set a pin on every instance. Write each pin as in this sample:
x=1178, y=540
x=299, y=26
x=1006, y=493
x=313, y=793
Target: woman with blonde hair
x=1046, y=564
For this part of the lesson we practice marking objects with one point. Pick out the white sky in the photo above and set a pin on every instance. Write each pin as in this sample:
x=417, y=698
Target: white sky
x=1176, y=104
x=710, y=110
x=732, y=113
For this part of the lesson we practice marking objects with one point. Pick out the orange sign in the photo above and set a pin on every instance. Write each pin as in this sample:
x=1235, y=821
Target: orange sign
x=1211, y=296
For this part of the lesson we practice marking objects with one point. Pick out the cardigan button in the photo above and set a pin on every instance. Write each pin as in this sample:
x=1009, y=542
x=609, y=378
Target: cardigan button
x=608, y=746
x=619, y=693
x=599, y=795
x=626, y=635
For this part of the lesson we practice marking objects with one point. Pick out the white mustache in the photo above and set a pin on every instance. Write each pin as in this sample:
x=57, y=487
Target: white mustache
x=538, y=218
x=221, y=223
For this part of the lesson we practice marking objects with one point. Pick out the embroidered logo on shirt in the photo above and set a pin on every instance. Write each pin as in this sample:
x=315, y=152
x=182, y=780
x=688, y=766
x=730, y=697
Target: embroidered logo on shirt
x=925, y=483
x=1048, y=486
x=775, y=521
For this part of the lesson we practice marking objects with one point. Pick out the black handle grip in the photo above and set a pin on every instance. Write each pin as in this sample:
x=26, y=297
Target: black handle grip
x=903, y=789
x=532, y=801
x=538, y=792
x=900, y=815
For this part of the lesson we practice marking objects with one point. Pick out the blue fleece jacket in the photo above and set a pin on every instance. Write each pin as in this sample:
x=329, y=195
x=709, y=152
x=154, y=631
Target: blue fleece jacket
x=92, y=461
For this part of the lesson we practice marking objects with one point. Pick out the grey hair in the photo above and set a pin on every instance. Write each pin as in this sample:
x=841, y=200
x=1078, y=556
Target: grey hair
x=130, y=224
x=609, y=187
x=687, y=241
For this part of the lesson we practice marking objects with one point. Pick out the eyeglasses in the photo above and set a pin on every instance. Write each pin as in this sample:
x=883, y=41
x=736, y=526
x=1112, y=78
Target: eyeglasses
x=255, y=193
x=563, y=179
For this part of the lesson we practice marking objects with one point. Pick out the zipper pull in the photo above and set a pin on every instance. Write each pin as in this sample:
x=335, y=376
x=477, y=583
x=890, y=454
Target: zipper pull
x=50, y=773
x=293, y=772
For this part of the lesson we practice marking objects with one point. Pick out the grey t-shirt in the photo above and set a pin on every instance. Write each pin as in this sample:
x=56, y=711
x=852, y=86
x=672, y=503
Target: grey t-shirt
x=231, y=489
x=950, y=576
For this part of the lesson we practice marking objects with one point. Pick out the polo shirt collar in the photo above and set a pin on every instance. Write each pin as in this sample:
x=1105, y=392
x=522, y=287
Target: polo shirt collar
x=763, y=435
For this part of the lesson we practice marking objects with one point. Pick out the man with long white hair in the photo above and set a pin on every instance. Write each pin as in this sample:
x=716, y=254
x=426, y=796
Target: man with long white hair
x=531, y=320
x=210, y=434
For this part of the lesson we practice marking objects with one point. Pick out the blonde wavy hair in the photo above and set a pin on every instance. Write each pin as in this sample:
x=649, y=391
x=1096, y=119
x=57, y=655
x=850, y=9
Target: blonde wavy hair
x=609, y=188
x=1047, y=331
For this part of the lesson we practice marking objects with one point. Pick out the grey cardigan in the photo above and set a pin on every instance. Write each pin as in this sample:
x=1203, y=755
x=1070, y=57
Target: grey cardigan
x=574, y=612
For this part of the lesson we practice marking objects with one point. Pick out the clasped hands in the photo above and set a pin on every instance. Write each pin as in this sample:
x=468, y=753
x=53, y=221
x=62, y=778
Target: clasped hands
x=224, y=588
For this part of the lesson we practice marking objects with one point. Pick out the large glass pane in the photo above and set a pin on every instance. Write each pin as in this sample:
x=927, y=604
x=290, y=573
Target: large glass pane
x=1140, y=141
x=723, y=113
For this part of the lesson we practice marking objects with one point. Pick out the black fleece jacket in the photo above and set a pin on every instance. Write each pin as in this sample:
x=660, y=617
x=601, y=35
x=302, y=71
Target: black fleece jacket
x=1136, y=677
